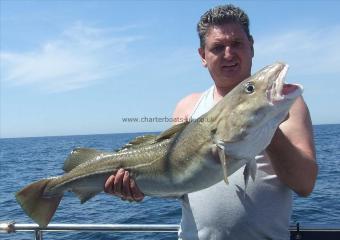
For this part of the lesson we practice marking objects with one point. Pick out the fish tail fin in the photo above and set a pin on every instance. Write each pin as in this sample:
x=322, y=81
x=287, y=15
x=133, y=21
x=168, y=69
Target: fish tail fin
x=38, y=207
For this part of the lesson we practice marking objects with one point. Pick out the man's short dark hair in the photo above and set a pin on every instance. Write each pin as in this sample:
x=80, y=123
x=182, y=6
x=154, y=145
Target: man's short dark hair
x=220, y=15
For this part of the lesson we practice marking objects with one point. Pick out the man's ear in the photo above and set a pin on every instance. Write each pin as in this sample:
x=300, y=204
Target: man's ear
x=202, y=54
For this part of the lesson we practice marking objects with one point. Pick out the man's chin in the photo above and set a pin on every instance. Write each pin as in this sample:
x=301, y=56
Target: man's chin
x=227, y=83
x=235, y=77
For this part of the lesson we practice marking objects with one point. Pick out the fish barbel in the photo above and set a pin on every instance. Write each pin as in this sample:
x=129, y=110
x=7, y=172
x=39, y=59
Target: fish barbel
x=185, y=158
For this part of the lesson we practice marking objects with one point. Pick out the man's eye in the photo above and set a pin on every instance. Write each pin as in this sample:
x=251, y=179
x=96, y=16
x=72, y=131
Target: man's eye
x=218, y=48
x=236, y=43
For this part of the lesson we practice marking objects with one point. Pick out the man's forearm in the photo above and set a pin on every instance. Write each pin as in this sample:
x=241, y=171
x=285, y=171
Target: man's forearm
x=294, y=167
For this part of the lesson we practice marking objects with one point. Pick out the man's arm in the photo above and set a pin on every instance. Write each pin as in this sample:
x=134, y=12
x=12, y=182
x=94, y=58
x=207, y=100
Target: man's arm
x=185, y=107
x=292, y=150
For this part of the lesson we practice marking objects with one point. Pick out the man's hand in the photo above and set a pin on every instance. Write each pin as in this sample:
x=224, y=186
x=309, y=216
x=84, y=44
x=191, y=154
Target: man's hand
x=123, y=186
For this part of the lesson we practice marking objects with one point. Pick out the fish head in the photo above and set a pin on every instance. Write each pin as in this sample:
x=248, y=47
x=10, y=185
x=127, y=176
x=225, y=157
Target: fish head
x=265, y=96
x=249, y=115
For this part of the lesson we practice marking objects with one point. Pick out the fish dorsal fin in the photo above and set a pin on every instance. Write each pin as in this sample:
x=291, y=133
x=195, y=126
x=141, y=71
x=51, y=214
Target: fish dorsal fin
x=138, y=141
x=82, y=155
x=150, y=139
x=171, y=131
x=143, y=139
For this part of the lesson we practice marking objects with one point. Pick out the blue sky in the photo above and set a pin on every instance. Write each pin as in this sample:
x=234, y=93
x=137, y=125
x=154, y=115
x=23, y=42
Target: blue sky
x=79, y=67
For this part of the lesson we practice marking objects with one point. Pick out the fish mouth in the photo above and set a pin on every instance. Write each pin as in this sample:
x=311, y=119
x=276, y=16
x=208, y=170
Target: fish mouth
x=280, y=91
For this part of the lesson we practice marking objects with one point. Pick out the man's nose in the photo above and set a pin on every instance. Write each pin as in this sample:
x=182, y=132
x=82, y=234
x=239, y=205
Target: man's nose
x=228, y=53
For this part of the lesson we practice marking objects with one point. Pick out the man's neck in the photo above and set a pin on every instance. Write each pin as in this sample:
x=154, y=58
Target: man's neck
x=219, y=93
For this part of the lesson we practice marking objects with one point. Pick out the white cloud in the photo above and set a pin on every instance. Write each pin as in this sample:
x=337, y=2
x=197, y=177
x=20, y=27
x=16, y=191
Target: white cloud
x=80, y=57
x=308, y=51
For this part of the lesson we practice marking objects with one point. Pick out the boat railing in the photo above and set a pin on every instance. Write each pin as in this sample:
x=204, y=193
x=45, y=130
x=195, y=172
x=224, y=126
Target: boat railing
x=297, y=232
x=12, y=227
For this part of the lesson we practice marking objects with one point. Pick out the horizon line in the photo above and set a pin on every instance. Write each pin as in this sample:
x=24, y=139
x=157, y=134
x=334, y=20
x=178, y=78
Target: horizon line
x=114, y=133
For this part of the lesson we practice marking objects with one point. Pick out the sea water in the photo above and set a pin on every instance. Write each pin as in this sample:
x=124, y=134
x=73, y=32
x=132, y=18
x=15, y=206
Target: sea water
x=24, y=160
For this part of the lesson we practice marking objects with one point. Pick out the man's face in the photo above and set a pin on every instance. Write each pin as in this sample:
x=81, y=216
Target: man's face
x=227, y=54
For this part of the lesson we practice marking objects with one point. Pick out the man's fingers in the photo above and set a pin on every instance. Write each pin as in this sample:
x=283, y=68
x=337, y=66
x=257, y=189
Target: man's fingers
x=126, y=192
x=137, y=195
x=117, y=187
x=109, y=184
x=122, y=185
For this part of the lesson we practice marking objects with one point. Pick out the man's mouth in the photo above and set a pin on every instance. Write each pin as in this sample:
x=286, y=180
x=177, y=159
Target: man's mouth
x=229, y=65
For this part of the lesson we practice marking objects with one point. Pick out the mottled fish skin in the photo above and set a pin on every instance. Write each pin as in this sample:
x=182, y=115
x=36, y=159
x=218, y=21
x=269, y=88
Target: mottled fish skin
x=185, y=158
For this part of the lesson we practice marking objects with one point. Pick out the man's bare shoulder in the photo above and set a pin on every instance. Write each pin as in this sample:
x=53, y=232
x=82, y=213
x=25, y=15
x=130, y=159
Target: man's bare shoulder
x=186, y=105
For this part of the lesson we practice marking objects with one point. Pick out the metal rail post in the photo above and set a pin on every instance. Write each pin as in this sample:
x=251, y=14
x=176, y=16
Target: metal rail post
x=38, y=235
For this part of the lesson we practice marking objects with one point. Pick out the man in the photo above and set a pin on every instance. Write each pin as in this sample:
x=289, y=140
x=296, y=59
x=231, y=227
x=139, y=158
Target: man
x=223, y=212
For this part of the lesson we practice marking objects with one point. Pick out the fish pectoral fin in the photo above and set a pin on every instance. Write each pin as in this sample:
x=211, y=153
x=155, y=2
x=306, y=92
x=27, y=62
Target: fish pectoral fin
x=84, y=195
x=223, y=158
x=81, y=155
x=171, y=131
x=249, y=171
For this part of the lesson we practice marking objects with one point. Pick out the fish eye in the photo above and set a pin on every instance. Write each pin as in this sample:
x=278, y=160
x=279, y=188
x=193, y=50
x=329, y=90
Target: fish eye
x=249, y=87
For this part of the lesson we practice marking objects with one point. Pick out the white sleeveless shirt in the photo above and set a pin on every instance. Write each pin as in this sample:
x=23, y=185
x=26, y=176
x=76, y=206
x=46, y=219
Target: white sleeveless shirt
x=222, y=212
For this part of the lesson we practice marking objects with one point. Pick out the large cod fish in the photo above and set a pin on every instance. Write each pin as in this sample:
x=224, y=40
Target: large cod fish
x=185, y=158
